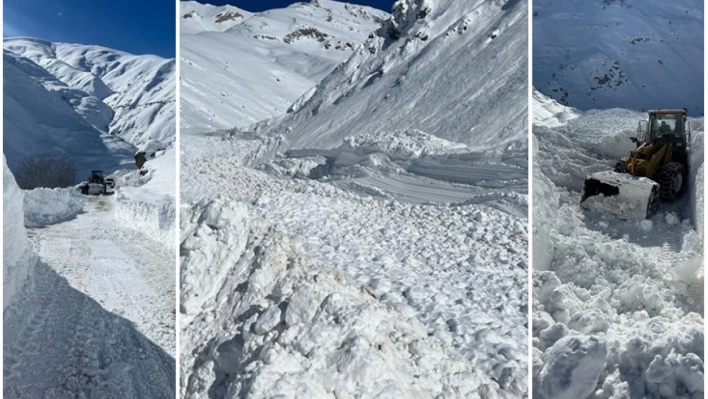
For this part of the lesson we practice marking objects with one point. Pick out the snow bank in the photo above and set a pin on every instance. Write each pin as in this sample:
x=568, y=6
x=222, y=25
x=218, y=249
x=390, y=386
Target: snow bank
x=696, y=178
x=279, y=326
x=147, y=203
x=18, y=258
x=45, y=206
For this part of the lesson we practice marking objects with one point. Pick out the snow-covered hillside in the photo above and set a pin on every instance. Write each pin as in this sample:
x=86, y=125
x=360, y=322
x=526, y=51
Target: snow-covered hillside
x=239, y=68
x=636, y=54
x=618, y=305
x=391, y=197
x=137, y=91
x=451, y=69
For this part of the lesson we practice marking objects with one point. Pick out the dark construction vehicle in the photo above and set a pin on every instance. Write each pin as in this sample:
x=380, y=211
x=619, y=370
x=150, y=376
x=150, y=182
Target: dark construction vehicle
x=98, y=184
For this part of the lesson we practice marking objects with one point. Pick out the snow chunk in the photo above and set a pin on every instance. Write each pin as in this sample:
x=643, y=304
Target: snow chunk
x=572, y=367
x=45, y=206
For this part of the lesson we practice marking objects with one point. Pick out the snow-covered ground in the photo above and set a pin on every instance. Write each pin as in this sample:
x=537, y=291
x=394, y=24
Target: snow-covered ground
x=618, y=305
x=380, y=225
x=635, y=54
x=88, y=305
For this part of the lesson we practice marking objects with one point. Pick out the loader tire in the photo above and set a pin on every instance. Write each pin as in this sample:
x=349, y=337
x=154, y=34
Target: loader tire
x=621, y=166
x=654, y=200
x=672, y=179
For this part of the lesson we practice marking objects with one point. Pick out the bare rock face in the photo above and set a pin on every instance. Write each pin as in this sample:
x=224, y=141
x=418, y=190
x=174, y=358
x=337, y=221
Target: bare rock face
x=140, y=159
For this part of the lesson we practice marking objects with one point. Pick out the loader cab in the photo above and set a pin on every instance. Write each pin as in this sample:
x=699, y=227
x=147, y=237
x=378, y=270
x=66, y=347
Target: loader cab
x=667, y=125
x=96, y=176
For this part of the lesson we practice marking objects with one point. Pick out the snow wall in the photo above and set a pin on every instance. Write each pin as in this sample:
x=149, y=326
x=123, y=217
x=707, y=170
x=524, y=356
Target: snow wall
x=45, y=206
x=18, y=257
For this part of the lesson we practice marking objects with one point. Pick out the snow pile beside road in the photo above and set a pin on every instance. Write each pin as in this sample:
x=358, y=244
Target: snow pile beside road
x=18, y=258
x=45, y=206
x=617, y=304
x=147, y=203
x=280, y=326
x=696, y=174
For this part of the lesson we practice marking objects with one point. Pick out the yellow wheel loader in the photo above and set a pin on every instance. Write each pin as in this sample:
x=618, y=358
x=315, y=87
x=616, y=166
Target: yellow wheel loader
x=655, y=171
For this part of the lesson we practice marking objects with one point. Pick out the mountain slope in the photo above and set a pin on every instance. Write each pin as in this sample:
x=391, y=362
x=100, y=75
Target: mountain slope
x=58, y=128
x=262, y=63
x=139, y=89
x=451, y=69
x=628, y=54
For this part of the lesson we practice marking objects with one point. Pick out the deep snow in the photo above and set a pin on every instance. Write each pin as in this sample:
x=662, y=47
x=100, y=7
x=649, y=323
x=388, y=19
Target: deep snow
x=90, y=315
x=618, y=305
x=45, y=206
x=402, y=176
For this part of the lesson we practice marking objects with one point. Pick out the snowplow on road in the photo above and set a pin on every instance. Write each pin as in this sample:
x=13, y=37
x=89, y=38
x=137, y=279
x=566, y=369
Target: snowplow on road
x=656, y=171
x=98, y=184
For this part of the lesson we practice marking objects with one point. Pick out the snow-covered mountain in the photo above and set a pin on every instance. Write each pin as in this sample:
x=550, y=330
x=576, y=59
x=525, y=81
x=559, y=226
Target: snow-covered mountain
x=637, y=54
x=239, y=68
x=137, y=91
x=385, y=176
x=452, y=69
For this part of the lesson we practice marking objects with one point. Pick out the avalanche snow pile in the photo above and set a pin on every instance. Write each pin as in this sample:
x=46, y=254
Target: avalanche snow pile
x=18, y=257
x=606, y=54
x=231, y=57
x=400, y=181
x=290, y=329
x=618, y=305
x=45, y=206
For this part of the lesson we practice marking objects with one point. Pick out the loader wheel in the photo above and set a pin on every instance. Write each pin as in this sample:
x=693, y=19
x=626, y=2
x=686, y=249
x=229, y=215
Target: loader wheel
x=654, y=200
x=671, y=178
x=621, y=166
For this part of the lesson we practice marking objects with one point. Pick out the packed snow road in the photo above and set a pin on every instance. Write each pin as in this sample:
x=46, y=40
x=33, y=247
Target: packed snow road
x=618, y=305
x=99, y=318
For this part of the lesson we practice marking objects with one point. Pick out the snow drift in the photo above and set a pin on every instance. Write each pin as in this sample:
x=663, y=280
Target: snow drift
x=45, y=206
x=18, y=257
x=279, y=325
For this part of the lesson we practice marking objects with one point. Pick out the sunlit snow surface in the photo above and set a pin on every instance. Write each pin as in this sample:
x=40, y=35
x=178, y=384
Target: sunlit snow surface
x=372, y=242
x=618, y=305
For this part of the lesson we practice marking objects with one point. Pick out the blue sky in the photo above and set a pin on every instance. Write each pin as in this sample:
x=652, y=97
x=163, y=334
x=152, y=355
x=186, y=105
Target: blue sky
x=261, y=5
x=135, y=26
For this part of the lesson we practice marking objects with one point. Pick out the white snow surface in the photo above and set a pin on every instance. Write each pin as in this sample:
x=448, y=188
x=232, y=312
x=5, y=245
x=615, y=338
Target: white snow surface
x=18, y=257
x=134, y=94
x=97, y=316
x=631, y=290
x=404, y=172
x=147, y=202
x=636, y=54
x=453, y=69
x=251, y=67
x=45, y=206
x=288, y=328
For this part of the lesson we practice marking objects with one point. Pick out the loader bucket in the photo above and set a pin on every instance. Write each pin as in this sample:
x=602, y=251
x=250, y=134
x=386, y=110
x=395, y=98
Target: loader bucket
x=622, y=195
